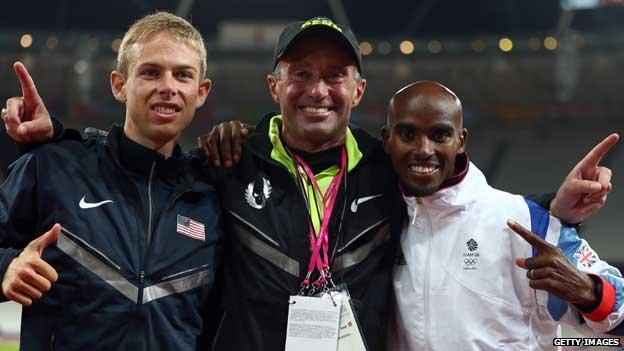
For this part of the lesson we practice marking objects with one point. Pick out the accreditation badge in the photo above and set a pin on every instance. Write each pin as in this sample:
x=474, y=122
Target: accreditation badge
x=349, y=334
x=313, y=323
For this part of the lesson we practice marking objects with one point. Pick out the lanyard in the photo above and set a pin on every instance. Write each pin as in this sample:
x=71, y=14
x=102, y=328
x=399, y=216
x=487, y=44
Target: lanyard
x=319, y=245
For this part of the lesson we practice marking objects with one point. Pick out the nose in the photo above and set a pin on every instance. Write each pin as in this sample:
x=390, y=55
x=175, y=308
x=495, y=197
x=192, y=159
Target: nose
x=319, y=89
x=422, y=147
x=167, y=86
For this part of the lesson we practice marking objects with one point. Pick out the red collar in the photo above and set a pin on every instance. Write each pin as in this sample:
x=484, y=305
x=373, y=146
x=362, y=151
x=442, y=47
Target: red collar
x=461, y=169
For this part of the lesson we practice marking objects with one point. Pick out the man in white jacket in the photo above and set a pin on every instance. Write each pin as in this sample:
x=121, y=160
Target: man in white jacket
x=466, y=281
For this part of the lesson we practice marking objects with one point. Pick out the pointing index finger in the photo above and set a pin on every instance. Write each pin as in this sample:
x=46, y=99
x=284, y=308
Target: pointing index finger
x=29, y=90
x=599, y=151
x=535, y=241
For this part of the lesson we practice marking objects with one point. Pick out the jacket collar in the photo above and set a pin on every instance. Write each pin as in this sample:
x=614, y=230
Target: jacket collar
x=279, y=153
x=139, y=159
x=262, y=144
x=459, y=191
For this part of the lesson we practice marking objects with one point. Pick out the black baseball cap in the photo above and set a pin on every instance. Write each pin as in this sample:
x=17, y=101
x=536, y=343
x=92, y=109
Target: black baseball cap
x=295, y=30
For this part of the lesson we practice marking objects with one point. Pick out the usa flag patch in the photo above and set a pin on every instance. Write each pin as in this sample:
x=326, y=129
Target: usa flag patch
x=191, y=228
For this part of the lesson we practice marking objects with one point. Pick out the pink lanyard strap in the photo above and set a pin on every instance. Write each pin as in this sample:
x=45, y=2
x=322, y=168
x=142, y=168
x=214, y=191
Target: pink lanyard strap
x=318, y=260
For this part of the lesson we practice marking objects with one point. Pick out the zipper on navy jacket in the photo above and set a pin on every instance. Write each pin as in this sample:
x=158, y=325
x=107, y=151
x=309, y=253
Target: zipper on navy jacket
x=149, y=199
x=149, y=234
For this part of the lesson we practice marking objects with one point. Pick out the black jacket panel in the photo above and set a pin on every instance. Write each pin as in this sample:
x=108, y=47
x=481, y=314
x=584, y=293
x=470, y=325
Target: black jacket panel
x=268, y=252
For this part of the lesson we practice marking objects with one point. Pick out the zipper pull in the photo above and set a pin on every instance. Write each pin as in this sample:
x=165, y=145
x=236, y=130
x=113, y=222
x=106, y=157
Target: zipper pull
x=419, y=201
x=142, y=277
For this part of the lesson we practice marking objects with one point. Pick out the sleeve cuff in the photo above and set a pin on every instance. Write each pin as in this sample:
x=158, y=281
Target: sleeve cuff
x=607, y=302
x=57, y=134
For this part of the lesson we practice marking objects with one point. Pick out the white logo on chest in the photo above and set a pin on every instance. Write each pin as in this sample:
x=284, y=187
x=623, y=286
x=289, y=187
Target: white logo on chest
x=471, y=257
x=255, y=197
x=85, y=205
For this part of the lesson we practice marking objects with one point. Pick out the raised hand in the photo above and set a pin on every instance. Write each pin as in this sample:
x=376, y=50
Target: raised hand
x=551, y=271
x=584, y=191
x=28, y=276
x=223, y=144
x=26, y=118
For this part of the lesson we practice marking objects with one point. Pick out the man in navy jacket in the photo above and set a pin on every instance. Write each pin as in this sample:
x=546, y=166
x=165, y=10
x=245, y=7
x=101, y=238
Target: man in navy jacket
x=136, y=259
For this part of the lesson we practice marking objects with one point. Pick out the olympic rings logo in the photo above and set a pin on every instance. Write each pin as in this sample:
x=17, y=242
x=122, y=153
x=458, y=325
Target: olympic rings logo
x=470, y=261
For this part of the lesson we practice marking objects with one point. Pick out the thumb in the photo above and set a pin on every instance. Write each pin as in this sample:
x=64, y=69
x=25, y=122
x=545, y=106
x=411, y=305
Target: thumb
x=521, y=262
x=47, y=238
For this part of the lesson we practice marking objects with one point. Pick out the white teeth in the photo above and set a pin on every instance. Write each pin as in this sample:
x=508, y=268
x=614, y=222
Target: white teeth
x=164, y=110
x=423, y=169
x=309, y=109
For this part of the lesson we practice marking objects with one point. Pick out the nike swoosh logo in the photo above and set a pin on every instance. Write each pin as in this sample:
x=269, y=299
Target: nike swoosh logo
x=84, y=205
x=357, y=202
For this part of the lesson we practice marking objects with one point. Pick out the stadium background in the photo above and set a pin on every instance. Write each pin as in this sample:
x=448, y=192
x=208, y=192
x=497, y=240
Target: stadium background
x=540, y=80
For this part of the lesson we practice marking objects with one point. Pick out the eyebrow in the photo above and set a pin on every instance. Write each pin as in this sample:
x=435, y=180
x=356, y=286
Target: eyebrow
x=447, y=127
x=176, y=67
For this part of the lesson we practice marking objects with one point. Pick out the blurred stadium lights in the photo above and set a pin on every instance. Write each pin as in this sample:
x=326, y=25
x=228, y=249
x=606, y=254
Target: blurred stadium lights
x=257, y=42
x=406, y=47
x=505, y=44
x=26, y=40
x=366, y=48
x=550, y=43
x=434, y=46
x=115, y=44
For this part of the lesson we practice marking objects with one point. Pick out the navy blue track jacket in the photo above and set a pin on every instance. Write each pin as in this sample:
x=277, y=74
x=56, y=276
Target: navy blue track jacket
x=140, y=259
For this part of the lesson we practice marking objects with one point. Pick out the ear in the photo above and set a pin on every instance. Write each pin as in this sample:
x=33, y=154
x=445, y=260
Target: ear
x=385, y=137
x=463, y=137
x=118, y=86
x=359, y=91
x=202, y=92
x=272, y=82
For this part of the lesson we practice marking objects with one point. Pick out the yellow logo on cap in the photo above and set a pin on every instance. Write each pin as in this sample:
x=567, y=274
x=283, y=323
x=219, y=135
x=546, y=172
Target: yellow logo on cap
x=321, y=21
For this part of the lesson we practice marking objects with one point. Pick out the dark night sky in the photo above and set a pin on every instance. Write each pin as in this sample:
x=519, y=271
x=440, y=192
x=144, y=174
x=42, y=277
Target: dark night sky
x=368, y=18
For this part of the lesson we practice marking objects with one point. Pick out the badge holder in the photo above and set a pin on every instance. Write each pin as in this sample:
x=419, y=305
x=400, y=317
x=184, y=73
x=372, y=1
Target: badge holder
x=313, y=323
x=349, y=332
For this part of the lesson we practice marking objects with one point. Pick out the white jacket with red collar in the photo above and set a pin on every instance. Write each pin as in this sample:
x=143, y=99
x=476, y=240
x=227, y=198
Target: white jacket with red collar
x=458, y=287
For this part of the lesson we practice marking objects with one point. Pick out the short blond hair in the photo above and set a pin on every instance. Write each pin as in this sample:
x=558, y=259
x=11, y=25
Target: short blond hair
x=161, y=22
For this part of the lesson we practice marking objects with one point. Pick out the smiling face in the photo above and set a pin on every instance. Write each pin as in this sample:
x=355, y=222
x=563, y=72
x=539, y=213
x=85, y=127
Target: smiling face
x=424, y=135
x=161, y=90
x=316, y=87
